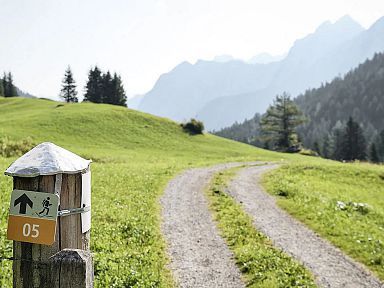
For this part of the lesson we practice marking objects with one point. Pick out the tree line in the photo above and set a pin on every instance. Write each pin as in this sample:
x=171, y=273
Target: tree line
x=277, y=130
x=7, y=88
x=246, y=132
x=100, y=88
x=346, y=142
x=343, y=118
x=274, y=130
x=359, y=94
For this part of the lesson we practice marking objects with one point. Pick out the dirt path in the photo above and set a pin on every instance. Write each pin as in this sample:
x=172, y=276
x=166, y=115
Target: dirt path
x=329, y=265
x=199, y=256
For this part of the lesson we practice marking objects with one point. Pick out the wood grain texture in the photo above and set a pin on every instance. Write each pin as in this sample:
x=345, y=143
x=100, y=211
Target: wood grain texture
x=70, y=226
x=30, y=270
x=34, y=267
x=72, y=268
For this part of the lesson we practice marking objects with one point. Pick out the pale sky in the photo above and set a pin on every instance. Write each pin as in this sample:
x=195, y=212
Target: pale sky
x=141, y=39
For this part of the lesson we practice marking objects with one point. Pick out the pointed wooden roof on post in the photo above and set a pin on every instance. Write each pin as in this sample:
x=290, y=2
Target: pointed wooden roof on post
x=48, y=168
x=47, y=159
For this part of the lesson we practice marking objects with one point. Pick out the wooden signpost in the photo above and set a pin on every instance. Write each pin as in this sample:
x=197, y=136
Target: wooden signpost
x=49, y=219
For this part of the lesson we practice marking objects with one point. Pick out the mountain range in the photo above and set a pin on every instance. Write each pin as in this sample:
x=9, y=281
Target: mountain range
x=221, y=93
x=327, y=109
x=359, y=94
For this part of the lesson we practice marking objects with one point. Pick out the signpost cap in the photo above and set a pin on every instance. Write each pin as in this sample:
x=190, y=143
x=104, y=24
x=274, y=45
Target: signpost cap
x=47, y=159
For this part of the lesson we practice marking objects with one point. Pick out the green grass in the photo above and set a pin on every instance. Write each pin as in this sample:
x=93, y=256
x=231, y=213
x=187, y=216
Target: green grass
x=262, y=264
x=134, y=155
x=310, y=191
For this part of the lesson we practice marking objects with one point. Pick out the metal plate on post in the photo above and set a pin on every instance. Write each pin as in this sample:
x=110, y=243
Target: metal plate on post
x=32, y=217
x=86, y=201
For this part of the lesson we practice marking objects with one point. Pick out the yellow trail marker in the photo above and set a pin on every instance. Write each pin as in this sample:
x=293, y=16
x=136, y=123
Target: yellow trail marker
x=32, y=217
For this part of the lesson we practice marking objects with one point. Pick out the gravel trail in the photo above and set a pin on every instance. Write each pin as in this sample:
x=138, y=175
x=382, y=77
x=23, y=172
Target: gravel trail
x=199, y=256
x=329, y=265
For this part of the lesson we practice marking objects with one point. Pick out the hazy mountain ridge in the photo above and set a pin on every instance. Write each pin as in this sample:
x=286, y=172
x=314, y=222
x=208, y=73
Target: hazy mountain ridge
x=360, y=94
x=221, y=93
x=299, y=72
x=265, y=58
x=261, y=58
x=185, y=90
x=134, y=102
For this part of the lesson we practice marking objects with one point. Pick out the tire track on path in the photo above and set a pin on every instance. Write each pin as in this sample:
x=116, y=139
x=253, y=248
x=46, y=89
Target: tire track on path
x=331, y=267
x=199, y=256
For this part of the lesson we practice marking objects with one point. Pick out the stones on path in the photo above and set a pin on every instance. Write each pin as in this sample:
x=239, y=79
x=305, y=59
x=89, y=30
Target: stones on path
x=329, y=265
x=198, y=255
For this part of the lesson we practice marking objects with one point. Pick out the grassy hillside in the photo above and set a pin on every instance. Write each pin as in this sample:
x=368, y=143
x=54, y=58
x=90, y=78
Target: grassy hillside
x=344, y=203
x=134, y=155
x=112, y=133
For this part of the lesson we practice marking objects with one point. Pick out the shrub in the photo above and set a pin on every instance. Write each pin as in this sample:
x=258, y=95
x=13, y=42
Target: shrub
x=193, y=127
x=308, y=152
x=10, y=148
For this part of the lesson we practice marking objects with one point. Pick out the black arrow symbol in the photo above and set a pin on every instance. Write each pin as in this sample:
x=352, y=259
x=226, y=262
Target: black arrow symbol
x=23, y=200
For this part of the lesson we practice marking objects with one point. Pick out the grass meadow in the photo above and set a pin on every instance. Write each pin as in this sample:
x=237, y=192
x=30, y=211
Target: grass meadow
x=134, y=156
x=342, y=202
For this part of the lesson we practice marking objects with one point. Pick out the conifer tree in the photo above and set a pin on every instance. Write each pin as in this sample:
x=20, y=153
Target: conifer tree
x=118, y=96
x=380, y=147
x=280, y=122
x=8, y=87
x=11, y=87
x=316, y=147
x=353, y=143
x=1, y=87
x=107, y=91
x=325, y=152
x=94, y=86
x=68, y=90
x=337, y=152
x=373, y=156
x=3, y=83
x=103, y=88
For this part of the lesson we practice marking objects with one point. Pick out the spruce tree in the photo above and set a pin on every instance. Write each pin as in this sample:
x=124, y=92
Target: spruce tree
x=107, y=91
x=8, y=87
x=94, y=86
x=316, y=147
x=325, y=152
x=1, y=87
x=280, y=121
x=380, y=147
x=4, y=83
x=11, y=87
x=353, y=143
x=68, y=90
x=118, y=96
x=373, y=156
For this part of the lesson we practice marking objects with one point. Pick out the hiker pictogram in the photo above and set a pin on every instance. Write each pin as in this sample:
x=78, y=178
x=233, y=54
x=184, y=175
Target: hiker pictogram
x=46, y=205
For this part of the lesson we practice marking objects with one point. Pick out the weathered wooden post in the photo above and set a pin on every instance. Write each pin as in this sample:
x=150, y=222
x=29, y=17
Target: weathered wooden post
x=50, y=219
